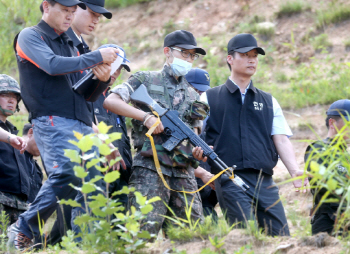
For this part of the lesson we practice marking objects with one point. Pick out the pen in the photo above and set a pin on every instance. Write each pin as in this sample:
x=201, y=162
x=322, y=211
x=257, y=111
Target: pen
x=123, y=58
x=118, y=122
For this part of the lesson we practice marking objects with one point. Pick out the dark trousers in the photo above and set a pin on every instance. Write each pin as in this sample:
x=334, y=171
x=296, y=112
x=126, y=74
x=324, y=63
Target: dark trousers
x=257, y=203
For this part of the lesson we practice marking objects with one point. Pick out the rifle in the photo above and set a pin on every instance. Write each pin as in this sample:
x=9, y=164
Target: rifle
x=178, y=131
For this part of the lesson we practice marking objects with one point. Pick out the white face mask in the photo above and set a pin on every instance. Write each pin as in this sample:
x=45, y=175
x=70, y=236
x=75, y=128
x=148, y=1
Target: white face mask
x=180, y=67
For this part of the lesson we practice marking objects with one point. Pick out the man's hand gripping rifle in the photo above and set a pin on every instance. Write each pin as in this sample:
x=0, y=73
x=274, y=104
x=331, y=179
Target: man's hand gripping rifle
x=178, y=131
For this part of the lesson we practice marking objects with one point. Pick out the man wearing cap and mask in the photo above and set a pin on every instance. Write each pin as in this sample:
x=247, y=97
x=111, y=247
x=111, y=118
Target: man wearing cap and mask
x=170, y=89
x=49, y=66
x=324, y=217
x=14, y=180
x=247, y=128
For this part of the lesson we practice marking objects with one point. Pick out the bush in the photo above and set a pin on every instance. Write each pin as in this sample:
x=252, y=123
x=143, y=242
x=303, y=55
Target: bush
x=15, y=15
x=289, y=8
x=320, y=42
x=123, y=3
x=334, y=14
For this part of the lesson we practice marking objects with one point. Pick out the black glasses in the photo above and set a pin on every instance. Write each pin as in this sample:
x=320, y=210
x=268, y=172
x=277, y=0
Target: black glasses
x=187, y=54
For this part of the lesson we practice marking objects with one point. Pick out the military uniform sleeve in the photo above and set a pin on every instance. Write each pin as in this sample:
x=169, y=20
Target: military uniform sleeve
x=31, y=47
x=126, y=89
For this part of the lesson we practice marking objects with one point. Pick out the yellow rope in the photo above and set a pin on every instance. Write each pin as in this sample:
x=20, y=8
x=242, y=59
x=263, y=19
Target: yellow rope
x=156, y=160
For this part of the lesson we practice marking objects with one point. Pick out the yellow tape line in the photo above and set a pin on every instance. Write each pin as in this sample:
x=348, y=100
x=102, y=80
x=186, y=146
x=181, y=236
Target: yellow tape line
x=156, y=160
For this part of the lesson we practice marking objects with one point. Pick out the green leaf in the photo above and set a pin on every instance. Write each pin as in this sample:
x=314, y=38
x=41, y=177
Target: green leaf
x=88, y=156
x=85, y=144
x=332, y=184
x=140, y=199
x=73, y=142
x=80, y=172
x=105, y=150
x=103, y=128
x=111, y=176
x=126, y=190
x=112, y=162
x=113, y=137
x=95, y=179
x=70, y=202
x=120, y=216
x=144, y=234
x=146, y=209
x=100, y=198
x=73, y=155
x=88, y=188
x=154, y=199
x=102, y=169
x=98, y=212
x=78, y=135
x=133, y=227
x=339, y=191
x=84, y=218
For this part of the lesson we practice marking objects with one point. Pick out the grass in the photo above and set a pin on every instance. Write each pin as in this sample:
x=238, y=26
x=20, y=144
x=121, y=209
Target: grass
x=335, y=13
x=15, y=16
x=123, y=3
x=320, y=42
x=289, y=8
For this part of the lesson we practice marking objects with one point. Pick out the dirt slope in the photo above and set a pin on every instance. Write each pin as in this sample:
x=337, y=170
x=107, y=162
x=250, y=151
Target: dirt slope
x=140, y=29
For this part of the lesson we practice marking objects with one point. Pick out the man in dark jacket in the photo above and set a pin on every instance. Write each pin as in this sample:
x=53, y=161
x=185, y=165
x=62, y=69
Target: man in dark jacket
x=329, y=153
x=49, y=66
x=14, y=181
x=247, y=128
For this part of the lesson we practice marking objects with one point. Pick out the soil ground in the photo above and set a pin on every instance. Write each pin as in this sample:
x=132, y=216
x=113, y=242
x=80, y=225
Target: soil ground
x=141, y=28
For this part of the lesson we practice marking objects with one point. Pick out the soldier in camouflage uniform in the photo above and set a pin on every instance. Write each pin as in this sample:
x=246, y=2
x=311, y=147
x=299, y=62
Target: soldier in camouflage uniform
x=170, y=89
x=14, y=180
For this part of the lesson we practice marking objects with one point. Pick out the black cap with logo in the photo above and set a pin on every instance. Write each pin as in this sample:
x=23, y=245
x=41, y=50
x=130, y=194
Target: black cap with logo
x=70, y=3
x=183, y=39
x=340, y=108
x=243, y=43
x=98, y=7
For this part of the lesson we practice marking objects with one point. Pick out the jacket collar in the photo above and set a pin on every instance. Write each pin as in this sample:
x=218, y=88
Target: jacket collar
x=232, y=87
x=10, y=126
x=168, y=71
x=52, y=34
x=75, y=39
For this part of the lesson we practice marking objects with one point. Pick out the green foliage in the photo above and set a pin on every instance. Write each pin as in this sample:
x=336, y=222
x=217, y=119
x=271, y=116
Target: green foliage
x=243, y=250
x=289, y=8
x=255, y=231
x=330, y=170
x=15, y=15
x=218, y=243
x=123, y=3
x=320, y=42
x=104, y=226
x=333, y=14
x=4, y=222
x=299, y=221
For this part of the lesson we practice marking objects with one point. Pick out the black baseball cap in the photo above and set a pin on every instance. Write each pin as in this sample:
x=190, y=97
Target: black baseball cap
x=70, y=3
x=340, y=108
x=243, y=43
x=183, y=39
x=98, y=7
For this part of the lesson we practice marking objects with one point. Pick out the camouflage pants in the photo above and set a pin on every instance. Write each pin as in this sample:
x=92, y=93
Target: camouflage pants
x=13, y=213
x=150, y=184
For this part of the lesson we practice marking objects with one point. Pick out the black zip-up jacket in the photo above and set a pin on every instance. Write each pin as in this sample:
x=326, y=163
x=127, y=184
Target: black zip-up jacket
x=14, y=177
x=35, y=174
x=118, y=125
x=241, y=134
x=49, y=65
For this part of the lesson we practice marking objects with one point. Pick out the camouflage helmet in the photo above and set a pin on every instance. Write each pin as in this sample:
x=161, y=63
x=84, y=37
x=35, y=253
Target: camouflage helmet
x=9, y=85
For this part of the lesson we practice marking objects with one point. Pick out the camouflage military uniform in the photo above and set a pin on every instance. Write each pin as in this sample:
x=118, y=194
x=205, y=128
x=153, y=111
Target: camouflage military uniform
x=177, y=166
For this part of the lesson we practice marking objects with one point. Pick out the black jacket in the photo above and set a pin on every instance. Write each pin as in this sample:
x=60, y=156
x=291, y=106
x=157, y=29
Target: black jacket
x=241, y=134
x=118, y=125
x=49, y=65
x=35, y=174
x=13, y=173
